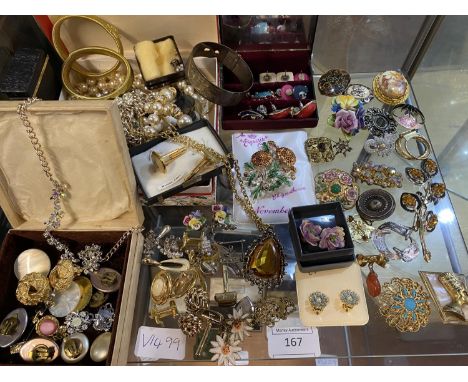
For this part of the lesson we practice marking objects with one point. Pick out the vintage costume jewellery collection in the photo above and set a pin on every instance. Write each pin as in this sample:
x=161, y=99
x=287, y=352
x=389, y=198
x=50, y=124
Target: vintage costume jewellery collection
x=71, y=298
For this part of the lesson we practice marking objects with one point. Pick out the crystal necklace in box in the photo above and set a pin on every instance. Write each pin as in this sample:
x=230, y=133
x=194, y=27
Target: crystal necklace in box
x=70, y=265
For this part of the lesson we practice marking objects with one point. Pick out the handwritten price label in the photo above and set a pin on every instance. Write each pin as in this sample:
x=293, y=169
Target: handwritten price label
x=155, y=343
x=298, y=342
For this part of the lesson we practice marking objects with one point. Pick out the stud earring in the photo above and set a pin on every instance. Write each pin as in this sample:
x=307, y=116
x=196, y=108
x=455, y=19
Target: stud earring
x=349, y=299
x=318, y=301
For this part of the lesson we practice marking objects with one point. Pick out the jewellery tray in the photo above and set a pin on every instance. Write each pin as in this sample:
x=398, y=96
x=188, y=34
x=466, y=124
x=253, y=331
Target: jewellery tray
x=85, y=146
x=269, y=52
x=195, y=180
x=332, y=282
x=308, y=261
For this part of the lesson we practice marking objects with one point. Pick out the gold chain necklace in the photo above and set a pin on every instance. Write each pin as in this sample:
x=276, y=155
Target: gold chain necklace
x=264, y=262
x=91, y=257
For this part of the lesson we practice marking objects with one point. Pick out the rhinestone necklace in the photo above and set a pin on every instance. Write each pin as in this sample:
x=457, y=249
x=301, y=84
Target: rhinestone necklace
x=91, y=256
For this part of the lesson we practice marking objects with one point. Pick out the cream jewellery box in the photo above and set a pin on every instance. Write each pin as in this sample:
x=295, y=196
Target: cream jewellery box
x=85, y=146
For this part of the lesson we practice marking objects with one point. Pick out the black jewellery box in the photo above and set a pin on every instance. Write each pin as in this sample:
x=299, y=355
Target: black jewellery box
x=310, y=258
x=182, y=171
x=153, y=83
x=29, y=73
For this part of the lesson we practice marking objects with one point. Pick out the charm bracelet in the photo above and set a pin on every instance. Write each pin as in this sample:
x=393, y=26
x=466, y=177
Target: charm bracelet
x=257, y=269
x=91, y=256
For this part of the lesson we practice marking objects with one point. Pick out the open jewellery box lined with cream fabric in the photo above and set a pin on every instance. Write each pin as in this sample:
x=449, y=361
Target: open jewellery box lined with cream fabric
x=84, y=144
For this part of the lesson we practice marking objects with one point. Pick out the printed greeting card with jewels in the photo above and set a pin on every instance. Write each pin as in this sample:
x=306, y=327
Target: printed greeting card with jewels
x=276, y=173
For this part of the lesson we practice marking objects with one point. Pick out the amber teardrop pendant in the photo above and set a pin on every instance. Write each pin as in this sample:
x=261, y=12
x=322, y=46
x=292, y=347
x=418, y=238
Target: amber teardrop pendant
x=264, y=264
x=373, y=284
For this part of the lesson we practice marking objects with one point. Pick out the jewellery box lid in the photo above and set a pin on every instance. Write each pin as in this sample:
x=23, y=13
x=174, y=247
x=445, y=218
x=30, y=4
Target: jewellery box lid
x=85, y=147
x=270, y=33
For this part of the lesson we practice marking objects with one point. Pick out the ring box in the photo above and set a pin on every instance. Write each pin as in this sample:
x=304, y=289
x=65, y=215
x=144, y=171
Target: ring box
x=285, y=46
x=153, y=83
x=85, y=146
x=310, y=258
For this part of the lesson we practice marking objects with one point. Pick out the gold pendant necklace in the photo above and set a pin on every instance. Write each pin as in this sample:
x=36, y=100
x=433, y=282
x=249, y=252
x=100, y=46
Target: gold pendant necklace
x=264, y=260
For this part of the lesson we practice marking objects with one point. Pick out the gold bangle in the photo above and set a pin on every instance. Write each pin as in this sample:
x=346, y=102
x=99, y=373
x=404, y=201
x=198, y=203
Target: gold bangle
x=68, y=64
x=401, y=146
x=63, y=51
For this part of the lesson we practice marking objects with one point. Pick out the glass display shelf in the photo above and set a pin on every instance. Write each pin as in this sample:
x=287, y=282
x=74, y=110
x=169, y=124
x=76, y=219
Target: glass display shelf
x=375, y=342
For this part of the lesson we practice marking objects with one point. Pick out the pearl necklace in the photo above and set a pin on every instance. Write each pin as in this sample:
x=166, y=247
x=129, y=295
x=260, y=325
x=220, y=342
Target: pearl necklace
x=145, y=113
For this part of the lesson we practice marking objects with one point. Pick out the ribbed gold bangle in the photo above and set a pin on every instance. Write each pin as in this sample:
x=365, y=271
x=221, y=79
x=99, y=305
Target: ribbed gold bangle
x=63, y=51
x=71, y=59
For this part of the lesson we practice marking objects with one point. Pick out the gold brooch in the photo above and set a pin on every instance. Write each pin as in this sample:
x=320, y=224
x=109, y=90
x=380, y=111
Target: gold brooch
x=336, y=185
x=405, y=305
x=323, y=149
x=33, y=289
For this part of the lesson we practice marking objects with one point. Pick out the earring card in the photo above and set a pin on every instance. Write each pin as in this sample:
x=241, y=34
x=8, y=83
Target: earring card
x=331, y=283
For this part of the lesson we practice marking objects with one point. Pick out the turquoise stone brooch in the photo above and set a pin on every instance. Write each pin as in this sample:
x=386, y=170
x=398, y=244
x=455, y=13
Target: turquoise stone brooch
x=405, y=305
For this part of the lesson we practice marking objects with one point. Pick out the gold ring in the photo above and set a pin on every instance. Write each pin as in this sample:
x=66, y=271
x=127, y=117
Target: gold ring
x=68, y=64
x=401, y=146
x=63, y=51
